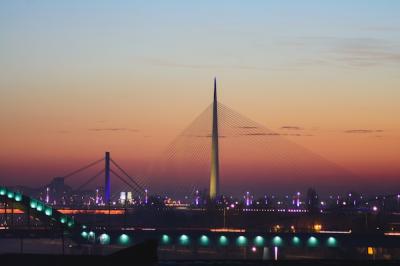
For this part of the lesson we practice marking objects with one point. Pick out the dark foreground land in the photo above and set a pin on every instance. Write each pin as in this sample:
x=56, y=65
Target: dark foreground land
x=55, y=260
x=146, y=254
x=279, y=263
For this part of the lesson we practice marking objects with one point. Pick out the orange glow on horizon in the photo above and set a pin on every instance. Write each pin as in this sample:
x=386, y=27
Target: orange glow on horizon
x=108, y=212
x=70, y=211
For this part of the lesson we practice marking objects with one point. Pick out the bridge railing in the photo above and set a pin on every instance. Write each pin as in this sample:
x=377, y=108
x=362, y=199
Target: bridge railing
x=38, y=209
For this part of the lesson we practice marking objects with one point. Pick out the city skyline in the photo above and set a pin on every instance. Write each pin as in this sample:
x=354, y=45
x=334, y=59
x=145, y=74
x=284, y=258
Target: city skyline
x=72, y=88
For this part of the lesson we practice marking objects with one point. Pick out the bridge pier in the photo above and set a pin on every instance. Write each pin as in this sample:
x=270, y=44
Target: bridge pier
x=28, y=218
x=5, y=211
x=62, y=243
x=12, y=214
x=265, y=255
x=194, y=249
x=22, y=245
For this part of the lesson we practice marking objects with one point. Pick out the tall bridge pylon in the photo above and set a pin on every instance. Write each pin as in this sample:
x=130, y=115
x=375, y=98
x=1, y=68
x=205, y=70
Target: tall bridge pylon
x=214, y=173
x=107, y=185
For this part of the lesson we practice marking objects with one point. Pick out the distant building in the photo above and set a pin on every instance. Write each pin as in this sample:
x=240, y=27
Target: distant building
x=58, y=191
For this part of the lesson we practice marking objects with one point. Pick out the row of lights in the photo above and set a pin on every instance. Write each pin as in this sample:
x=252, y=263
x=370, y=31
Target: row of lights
x=242, y=241
x=204, y=240
x=48, y=211
x=105, y=239
x=35, y=204
x=10, y=194
x=274, y=210
x=258, y=241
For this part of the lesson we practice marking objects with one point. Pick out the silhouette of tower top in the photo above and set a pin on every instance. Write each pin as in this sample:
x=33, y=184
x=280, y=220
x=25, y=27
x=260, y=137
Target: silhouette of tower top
x=214, y=173
x=215, y=90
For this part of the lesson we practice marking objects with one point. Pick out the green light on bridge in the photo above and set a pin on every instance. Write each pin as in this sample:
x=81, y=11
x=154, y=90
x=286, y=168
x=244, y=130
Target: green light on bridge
x=184, y=240
x=3, y=191
x=63, y=220
x=204, y=240
x=331, y=242
x=84, y=234
x=18, y=197
x=39, y=207
x=124, y=239
x=277, y=241
x=223, y=241
x=48, y=211
x=70, y=223
x=259, y=241
x=165, y=240
x=33, y=204
x=312, y=242
x=91, y=235
x=10, y=194
x=104, y=239
x=241, y=241
x=296, y=241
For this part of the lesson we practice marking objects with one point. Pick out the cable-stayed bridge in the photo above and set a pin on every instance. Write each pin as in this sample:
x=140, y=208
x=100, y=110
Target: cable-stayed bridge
x=227, y=153
x=110, y=169
x=224, y=153
x=220, y=150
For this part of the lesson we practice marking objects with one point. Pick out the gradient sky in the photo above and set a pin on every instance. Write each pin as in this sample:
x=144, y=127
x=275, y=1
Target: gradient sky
x=81, y=77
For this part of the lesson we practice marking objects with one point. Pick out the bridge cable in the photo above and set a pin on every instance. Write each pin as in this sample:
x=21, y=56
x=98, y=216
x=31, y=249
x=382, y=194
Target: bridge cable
x=82, y=169
x=90, y=180
x=126, y=182
x=138, y=184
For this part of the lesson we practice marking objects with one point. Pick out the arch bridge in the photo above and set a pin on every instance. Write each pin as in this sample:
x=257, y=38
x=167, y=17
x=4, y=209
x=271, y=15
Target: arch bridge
x=50, y=217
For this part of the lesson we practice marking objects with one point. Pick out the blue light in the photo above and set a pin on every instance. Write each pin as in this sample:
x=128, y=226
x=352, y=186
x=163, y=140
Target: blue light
x=312, y=242
x=10, y=194
x=331, y=242
x=39, y=207
x=296, y=241
x=259, y=241
x=18, y=197
x=165, y=240
x=277, y=241
x=184, y=240
x=70, y=223
x=91, y=235
x=124, y=239
x=223, y=241
x=241, y=241
x=33, y=204
x=48, y=211
x=104, y=239
x=84, y=234
x=204, y=240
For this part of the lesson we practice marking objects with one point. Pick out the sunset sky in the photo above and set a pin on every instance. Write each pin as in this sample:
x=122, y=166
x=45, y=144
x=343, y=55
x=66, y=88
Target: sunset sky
x=78, y=78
